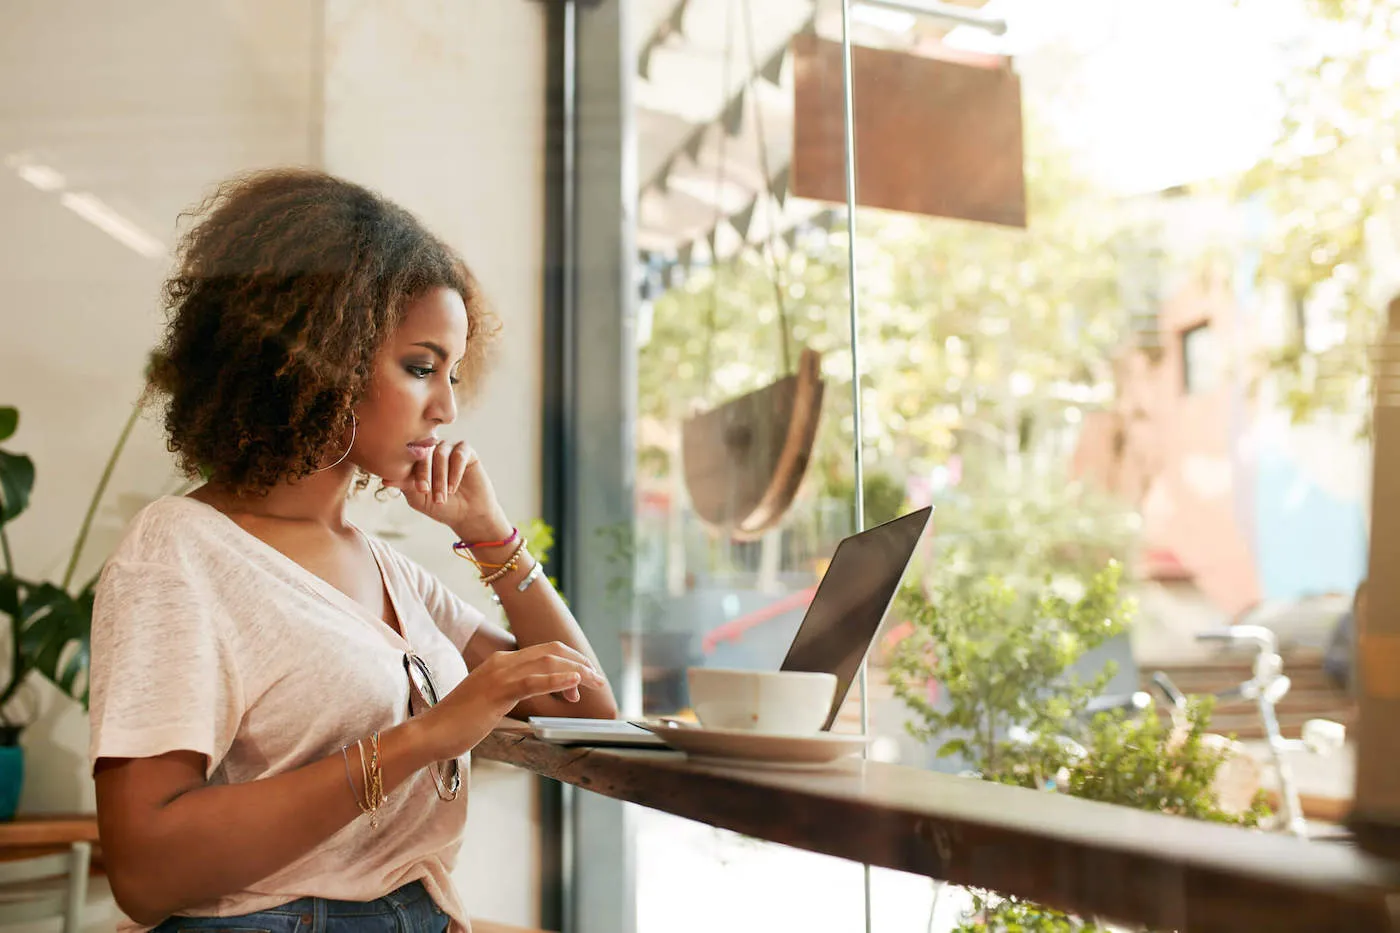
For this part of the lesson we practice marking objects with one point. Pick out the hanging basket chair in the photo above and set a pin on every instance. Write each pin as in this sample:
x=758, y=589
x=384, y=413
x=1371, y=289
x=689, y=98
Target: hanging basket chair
x=744, y=460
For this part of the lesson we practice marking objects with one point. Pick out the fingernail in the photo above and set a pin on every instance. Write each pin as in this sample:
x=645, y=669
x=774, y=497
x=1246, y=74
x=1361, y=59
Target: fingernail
x=423, y=486
x=441, y=498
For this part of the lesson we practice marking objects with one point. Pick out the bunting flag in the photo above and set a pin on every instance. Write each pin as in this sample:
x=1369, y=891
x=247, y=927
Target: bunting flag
x=772, y=71
x=779, y=185
x=671, y=26
x=693, y=144
x=675, y=23
x=790, y=238
x=663, y=177
x=710, y=241
x=733, y=116
x=683, y=256
x=743, y=220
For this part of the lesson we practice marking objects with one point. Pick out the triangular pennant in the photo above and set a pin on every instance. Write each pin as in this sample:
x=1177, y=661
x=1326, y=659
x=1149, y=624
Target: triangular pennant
x=743, y=220
x=693, y=144
x=644, y=60
x=779, y=185
x=676, y=21
x=663, y=177
x=808, y=27
x=710, y=241
x=790, y=238
x=675, y=275
x=683, y=256
x=772, y=72
x=733, y=116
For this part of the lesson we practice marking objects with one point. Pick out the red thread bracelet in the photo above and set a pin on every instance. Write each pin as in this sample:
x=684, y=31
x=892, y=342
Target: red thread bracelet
x=509, y=539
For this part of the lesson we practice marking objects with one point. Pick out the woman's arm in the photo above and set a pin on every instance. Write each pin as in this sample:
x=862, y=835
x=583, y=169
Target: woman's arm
x=170, y=840
x=452, y=487
x=537, y=616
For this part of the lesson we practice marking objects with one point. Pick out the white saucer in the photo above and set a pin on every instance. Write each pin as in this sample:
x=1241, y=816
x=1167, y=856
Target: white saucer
x=741, y=746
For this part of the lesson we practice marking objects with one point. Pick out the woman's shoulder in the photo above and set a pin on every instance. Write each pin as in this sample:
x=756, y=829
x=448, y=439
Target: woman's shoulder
x=168, y=531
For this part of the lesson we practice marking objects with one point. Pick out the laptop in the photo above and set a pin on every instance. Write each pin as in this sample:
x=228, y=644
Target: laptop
x=836, y=633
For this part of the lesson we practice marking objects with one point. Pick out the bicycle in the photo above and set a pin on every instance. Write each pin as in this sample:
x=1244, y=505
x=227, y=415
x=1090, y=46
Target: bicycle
x=1266, y=687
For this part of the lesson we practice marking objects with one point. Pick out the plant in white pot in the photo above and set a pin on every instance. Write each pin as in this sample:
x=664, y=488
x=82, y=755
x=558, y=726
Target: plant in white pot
x=49, y=623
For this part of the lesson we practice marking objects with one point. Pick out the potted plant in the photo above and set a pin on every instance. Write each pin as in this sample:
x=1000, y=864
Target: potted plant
x=49, y=623
x=1004, y=658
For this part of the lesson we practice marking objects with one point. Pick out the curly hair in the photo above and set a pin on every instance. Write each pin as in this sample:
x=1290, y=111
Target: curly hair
x=286, y=287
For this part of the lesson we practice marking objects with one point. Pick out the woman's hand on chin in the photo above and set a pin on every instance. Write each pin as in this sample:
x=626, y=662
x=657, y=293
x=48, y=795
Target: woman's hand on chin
x=451, y=486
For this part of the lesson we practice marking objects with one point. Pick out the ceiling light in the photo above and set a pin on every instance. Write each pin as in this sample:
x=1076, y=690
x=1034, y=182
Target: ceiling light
x=96, y=212
x=40, y=176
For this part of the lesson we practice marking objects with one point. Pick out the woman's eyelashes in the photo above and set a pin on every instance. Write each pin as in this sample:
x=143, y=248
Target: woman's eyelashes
x=421, y=371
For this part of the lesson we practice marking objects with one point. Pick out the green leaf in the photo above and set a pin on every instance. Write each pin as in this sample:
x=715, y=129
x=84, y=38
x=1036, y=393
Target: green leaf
x=16, y=482
x=9, y=421
x=9, y=595
x=51, y=621
x=72, y=669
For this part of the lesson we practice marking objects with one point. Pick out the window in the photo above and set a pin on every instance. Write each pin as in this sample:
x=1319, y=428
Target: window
x=1200, y=362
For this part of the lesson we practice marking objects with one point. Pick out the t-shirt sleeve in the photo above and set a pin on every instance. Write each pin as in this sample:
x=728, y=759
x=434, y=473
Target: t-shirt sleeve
x=457, y=618
x=162, y=676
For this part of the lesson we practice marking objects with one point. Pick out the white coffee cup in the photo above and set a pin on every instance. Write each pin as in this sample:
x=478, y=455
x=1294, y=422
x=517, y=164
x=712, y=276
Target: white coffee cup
x=777, y=702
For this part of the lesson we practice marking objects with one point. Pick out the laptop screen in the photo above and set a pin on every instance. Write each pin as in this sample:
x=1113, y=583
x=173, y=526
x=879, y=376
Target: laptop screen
x=859, y=585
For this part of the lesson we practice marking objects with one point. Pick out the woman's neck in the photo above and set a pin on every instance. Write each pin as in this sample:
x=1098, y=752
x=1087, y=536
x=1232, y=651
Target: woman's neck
x=319, y=498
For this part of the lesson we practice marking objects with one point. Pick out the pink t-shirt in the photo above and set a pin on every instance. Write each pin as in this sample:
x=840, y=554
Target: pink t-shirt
x=207, y=639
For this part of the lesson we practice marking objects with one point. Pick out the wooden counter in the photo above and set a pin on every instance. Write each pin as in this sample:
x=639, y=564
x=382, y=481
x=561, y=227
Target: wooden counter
x=1086, y=857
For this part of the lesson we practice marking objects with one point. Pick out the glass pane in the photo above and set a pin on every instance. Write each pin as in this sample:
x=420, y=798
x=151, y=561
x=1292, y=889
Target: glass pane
x=744, y=462
x=1149, y=388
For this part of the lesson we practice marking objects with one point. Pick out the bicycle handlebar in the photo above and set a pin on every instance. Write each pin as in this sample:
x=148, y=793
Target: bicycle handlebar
x=1226, y=696
x=1256, y=636
x=1164, y=683
x=1216, y=634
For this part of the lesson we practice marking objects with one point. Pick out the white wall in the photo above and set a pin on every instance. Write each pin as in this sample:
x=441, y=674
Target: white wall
x=439, y=104
x=148, y=103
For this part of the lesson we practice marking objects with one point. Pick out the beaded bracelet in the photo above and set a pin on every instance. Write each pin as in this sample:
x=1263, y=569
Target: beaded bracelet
x=489, y=571
x=503, y=570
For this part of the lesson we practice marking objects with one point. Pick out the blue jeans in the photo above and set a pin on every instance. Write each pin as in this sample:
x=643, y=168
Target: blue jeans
x=407, y=910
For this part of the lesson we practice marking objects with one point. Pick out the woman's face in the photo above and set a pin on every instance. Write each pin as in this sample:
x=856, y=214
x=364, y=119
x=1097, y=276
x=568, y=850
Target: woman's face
x=411, y=392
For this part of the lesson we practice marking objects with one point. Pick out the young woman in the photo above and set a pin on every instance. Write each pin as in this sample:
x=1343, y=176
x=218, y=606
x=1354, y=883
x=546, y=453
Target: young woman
x=281, y=705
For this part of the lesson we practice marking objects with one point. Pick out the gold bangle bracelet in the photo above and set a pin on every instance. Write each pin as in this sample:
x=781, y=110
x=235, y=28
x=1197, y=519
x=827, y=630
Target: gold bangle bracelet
x=374, y=779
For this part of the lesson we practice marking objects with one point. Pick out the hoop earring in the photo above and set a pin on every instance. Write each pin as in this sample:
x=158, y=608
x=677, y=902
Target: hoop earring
x=354, y=427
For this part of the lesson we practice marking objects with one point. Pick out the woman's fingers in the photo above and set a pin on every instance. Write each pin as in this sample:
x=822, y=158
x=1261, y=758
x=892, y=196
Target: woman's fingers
x=561, y=650
x=549, y=659
x=534, y=685
x=439, y=459
x=422, y=476
x=461, y=459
